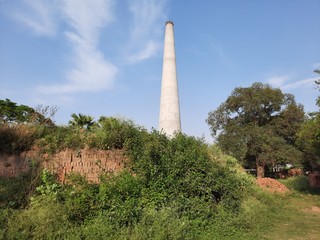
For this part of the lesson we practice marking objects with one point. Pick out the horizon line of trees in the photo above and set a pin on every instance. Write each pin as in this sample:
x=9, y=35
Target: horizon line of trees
x=258, y=125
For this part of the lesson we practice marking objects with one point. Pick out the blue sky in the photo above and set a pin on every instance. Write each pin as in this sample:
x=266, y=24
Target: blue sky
x=104, y=57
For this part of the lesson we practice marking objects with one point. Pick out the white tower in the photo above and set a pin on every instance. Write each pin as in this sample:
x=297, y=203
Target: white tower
x=169, y=120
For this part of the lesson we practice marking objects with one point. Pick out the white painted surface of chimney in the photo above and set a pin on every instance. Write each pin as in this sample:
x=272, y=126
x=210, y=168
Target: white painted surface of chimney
x=169, y=120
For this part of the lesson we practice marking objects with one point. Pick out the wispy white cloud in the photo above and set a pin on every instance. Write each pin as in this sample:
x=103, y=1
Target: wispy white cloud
x=146, y=13
x=278, y=81
x=148, y=18
x=304, y=83
x=286, y=83
x=87, y=18
x=38, y=15
x=90, y=71
x=150, y=49
x=82, y=23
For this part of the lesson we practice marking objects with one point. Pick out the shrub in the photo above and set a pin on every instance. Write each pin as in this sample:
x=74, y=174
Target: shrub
x=16, y=191
x=80, y=199
x=120, y=200
x=181, y=171
x=45, y=219
x=16, y=138
x=58, y=138
x=112, y=133
x=300, y=184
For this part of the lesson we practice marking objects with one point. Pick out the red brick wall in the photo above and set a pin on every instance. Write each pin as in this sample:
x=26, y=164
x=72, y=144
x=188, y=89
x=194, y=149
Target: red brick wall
x=88, y=162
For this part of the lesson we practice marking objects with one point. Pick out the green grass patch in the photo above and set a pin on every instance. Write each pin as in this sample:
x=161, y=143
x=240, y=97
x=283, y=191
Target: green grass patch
x=300, y=184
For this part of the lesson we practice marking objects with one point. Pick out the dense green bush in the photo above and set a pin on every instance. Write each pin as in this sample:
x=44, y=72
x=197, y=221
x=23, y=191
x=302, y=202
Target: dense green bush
x=174, y=189
x=108, y=133
x=300, y=184
x=80, y=199
x=44, y=219
x=181, y=170
x=112, y=133
x=58, y=138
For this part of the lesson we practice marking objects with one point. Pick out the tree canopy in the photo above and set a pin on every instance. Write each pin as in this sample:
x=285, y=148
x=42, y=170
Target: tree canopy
x=258, y=126
x=11, y=112
x=309, y=136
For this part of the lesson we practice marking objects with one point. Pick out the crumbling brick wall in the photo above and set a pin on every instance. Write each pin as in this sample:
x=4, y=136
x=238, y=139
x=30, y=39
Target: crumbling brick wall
x=89, y=163
x=13, y=165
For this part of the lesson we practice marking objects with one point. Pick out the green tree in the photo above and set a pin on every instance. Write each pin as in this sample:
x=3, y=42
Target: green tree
x=317, y=82
x=11, y=112
x=258, y=126
x=81, y=121
x=309, y=142
x=308, y=138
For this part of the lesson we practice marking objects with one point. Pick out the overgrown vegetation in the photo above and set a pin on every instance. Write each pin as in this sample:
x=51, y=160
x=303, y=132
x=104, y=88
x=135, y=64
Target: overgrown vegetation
x=171, y=183
x=177, y=188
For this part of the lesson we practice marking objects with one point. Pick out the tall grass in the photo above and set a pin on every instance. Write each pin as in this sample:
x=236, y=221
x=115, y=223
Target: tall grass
x=16, y=138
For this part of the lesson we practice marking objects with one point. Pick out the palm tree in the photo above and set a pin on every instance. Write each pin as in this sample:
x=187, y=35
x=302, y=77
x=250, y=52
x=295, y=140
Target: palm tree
x=81, y=121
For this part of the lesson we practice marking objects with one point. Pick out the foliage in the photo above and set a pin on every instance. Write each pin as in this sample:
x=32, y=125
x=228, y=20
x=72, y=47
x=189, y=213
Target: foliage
x=309, y=142
x=300, y=184
x=45, y=220
x=308, y=137
x=119, y=199
x=16, y=138
x=112, y=133
x=16, y=191
x=45, y=114
x=258, y=126
x=10, y=112
x=181, y=172
x=58, y=138
x=21, y=126
x=261, y=216
x=177, y=188
x=317, y=82
x=172, y=190
x=80, y=199
x=108, y=133
x=81, y=121
x=49, y=186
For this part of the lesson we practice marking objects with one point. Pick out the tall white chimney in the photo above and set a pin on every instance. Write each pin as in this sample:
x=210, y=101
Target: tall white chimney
x=169, y=120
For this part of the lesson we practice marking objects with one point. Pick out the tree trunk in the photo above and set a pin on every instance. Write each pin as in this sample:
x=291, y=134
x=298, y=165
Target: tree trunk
x=260, y=170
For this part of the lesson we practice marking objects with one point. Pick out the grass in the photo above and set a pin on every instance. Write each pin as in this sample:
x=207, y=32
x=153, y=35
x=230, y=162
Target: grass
x=299, y=218
x=294, y=215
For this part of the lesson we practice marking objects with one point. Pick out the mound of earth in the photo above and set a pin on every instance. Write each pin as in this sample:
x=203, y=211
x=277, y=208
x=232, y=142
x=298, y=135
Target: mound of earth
x=272, y=185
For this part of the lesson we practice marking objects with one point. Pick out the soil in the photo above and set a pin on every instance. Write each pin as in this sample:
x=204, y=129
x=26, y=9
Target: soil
x=271, y=185
x=315, y=209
